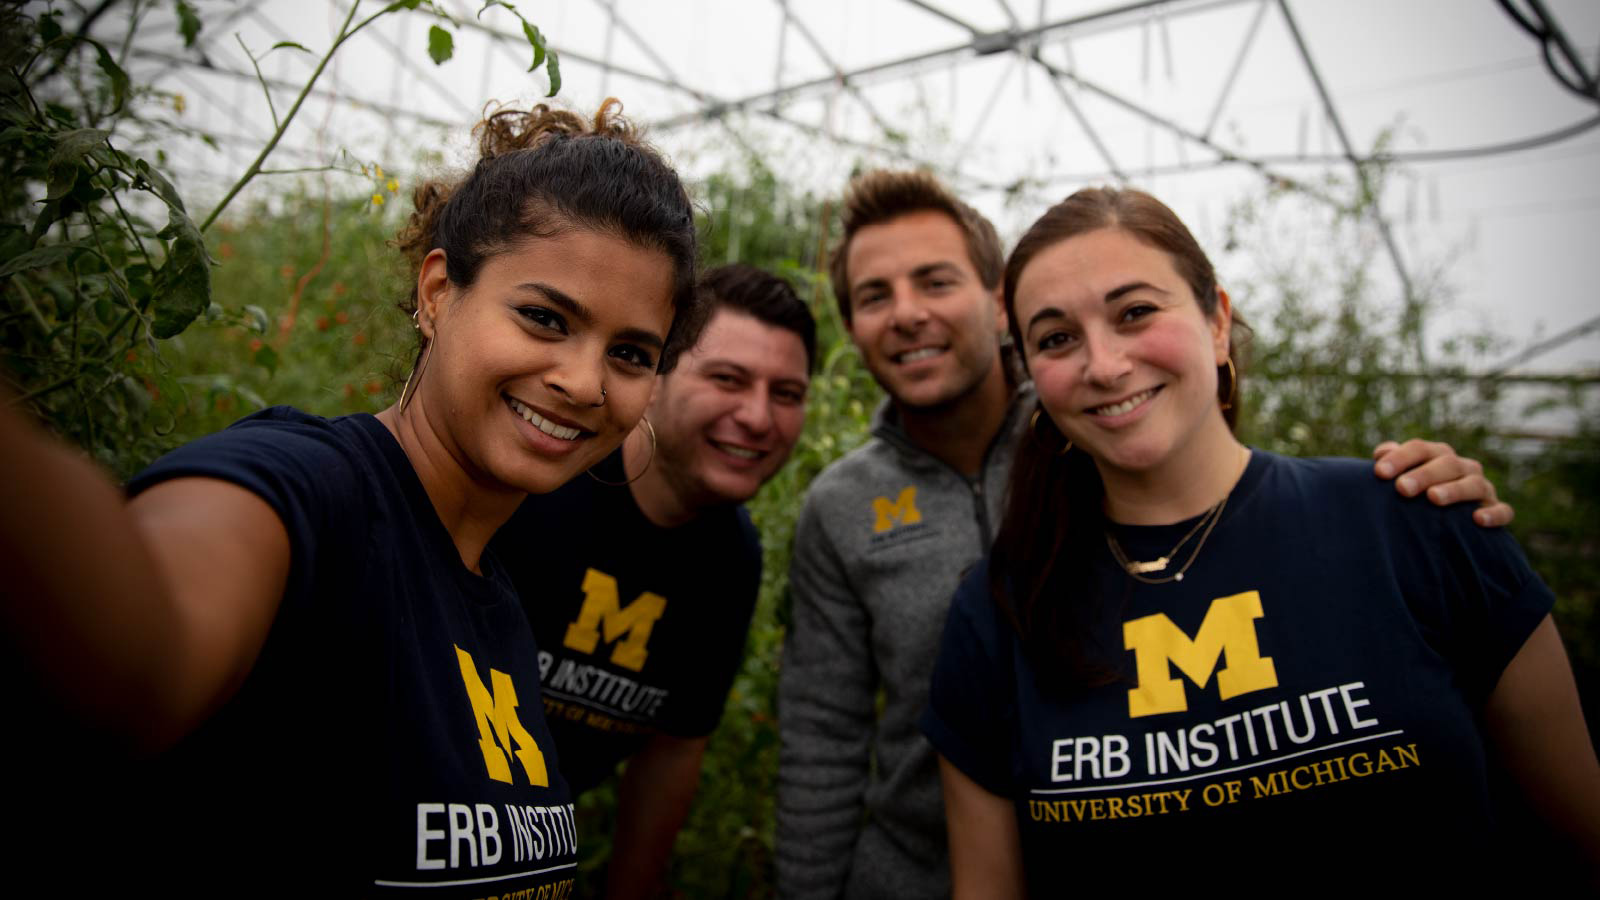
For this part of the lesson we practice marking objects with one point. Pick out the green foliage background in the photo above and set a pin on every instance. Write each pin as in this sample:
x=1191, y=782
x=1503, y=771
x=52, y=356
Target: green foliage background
x=303, y=310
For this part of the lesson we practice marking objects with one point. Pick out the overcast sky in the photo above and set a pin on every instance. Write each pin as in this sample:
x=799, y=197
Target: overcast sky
x=1520, y=229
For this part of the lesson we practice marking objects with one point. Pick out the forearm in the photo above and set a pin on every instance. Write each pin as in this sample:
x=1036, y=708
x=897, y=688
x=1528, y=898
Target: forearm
x=658, y=788
x=85, y=601
x=985, y=847
x=1537, y=724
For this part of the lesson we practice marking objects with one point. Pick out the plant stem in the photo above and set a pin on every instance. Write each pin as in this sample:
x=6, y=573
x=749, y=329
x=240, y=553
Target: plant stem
x=33, y=310
x=345, y=33
x=50, y=388
x=132, y=232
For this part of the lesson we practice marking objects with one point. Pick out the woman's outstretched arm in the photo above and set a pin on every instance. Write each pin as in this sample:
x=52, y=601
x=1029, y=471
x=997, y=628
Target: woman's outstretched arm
x=139, y=618
x=985, y=848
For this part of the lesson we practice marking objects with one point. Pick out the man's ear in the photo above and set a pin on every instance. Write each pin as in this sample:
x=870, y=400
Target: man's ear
x=433, y=291
x=1001, y=320
x=1222, y=326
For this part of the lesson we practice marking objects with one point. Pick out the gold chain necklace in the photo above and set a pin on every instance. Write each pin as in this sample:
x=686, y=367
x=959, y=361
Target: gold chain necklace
x=1137, y=569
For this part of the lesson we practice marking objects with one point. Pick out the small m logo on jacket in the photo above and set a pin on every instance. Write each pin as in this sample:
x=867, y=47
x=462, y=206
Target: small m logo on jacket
x=903, y=511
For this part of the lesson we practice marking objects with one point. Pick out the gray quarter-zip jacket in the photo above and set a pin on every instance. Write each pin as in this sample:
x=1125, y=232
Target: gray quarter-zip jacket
x=884, y=538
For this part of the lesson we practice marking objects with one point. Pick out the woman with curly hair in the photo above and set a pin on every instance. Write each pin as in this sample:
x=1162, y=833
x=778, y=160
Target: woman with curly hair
x=298, y=615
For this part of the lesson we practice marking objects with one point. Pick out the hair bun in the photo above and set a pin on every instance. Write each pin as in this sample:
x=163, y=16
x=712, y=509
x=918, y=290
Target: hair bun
x=508, y=130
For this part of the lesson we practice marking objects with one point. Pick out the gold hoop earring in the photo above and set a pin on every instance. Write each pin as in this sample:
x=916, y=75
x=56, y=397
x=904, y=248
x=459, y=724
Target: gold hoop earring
x=406, y=393
x=650, y=430
x=1033, y=429
x=1233, y=384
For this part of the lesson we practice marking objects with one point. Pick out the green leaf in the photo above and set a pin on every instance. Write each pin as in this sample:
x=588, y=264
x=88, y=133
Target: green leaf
x=188, y=23
x=159, y=185
x=49, y=28
x=290, y=44
x=536, y=41
x=182, y=288
x=49, y=212
x=72, y=146
x=119, y=78
x=402, y=4
x=488, y=3
x=267, y=358
x=552, y=67
x=105, y=310
x=134, y=395
x=67, y=301
x=441, y=46
x=47, y=255
x=66, y=159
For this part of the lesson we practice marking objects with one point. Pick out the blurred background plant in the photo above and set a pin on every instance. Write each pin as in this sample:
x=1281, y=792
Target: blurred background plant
x=103, y=262
x=111, y=337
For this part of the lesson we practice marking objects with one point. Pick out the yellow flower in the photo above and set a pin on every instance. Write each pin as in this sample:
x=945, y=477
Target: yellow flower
x=394, y=186
x=377, y=199
x=179, y=103
x=377, y=171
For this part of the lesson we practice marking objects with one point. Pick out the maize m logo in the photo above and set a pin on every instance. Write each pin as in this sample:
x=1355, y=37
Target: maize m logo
x=494, y=709
x=603, y=615
x=903, y=511
x=1227, y=632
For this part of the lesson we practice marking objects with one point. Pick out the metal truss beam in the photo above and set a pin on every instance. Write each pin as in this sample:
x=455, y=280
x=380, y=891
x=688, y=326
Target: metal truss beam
x=1238, y=66
x=1029, y=51
x=320, y=93
x=1363, y=177
x=981, y=44
x=838, y=73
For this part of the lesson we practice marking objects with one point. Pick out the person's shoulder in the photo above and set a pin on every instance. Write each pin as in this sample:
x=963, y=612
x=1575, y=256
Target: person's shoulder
x=1314, y=477
x=277, y=441
x=296, y=428
x=1348, y=492
x=865, y=468
x=746, y=527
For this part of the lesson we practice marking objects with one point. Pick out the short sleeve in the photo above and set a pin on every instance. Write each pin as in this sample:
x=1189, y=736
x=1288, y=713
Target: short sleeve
x=297, y=463
x=1496, y=600
x=972, y=699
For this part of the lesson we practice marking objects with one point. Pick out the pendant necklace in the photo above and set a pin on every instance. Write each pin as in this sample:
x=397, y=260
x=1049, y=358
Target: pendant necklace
x=1138, y=569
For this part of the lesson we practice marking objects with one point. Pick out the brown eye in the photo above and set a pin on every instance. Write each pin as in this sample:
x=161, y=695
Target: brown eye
x=633, y=355
x=543, y=317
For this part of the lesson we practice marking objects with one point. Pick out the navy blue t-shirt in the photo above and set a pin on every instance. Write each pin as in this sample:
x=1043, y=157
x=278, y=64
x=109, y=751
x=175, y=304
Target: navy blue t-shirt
x=641, y=628
x=1305, y=704
x=390, y=737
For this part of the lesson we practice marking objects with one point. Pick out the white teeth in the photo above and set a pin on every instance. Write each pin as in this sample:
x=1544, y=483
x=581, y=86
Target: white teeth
x=1126, y=406
x=543, y=424
x=914, y=355
x=740, y=452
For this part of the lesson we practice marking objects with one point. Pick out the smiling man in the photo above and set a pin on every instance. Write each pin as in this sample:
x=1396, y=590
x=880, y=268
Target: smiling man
x=640, y=593
x=888, y=531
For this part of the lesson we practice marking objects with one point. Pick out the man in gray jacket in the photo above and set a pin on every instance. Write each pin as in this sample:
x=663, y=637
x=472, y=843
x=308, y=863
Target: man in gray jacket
x=887, y=532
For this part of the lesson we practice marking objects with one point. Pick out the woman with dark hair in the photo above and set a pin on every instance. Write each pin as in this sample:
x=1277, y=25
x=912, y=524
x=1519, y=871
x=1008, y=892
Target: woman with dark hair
x=1189, y=661
x=298, y=615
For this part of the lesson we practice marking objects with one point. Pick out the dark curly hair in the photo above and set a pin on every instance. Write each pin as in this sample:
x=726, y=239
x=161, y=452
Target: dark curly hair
x=544, y=171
